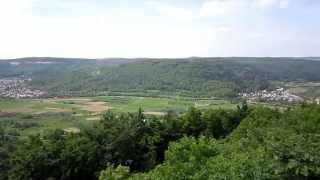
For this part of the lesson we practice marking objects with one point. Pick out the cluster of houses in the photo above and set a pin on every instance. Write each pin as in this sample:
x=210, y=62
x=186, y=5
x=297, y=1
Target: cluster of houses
x=279, y=94
x=17, y=88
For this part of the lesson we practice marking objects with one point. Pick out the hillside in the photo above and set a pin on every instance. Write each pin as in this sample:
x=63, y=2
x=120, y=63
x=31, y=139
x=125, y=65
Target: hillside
x=222, y=77
x=39, y=66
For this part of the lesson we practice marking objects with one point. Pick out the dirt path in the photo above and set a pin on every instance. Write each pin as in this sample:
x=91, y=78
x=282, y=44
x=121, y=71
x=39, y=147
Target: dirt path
x=155, y=113
x=96, y=107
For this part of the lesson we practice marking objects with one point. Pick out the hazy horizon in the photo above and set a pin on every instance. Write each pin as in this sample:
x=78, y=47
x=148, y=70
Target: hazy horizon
x=159, y=29
x=106, y=58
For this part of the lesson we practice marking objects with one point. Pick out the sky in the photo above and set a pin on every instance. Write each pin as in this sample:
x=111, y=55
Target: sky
x=159, y=28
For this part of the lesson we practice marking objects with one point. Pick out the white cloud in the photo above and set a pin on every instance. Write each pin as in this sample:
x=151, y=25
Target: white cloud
x=215, y=8
x=264, y=3
x=221, y=7
x=284, y=3
x=212, y=28
x=14, y=7
x=172, y=11
x=208, y=9
x=223, y=29
x=257, y=35
x=270, y=3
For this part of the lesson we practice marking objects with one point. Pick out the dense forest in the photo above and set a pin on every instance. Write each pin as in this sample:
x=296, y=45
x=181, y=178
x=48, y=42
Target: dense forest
x=220, y=77
x=244, y=143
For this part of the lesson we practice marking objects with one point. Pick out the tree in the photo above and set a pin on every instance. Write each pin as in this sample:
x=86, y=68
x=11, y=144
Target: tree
x=4, y=154
x=192, y=122
x=112, y=173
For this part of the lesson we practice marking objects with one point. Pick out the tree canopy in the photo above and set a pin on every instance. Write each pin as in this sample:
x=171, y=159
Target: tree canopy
x=245, y=143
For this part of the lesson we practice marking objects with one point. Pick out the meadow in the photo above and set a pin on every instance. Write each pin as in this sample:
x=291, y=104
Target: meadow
x=32, y=116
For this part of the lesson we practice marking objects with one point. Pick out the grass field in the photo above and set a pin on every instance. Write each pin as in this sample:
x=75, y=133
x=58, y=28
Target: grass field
x=31, y=116
x=155, y=104
x=93, y=106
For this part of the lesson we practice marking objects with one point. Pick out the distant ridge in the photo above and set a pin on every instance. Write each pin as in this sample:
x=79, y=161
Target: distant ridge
x=197, y=76
x=146, y=58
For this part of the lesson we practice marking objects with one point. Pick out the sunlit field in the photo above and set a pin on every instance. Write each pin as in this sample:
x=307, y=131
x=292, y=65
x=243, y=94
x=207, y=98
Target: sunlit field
x=32, y=116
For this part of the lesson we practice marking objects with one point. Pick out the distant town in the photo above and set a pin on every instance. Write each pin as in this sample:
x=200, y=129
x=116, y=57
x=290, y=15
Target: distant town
x=17, y=88
x=279, y=94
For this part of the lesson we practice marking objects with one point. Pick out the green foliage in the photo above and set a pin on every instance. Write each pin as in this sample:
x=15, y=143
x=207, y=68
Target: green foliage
x=57, y=156
x=220, y=77
x=185, y=158
x=7, y=145
x=249, y=164
x=130, y=140
x=3, y=155
x=118, y=173
x=247, y=143
x=192, y=122
x=268, y=144
x=217, y=122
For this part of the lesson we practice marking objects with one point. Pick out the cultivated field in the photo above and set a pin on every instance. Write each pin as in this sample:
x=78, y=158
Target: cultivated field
x=31, y=116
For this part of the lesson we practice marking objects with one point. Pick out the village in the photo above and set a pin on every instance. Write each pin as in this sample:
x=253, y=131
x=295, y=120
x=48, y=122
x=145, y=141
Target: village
x=279, y=95
x=17, y=88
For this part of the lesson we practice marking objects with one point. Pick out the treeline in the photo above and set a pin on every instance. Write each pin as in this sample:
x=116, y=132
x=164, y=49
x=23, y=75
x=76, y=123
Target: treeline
x=219, y=77
x=133, y=140
x=268, y=144
x=246, y=143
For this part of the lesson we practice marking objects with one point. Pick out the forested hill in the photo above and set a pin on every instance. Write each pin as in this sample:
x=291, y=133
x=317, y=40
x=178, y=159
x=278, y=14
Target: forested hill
x=205, y=76
x=33, y=66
